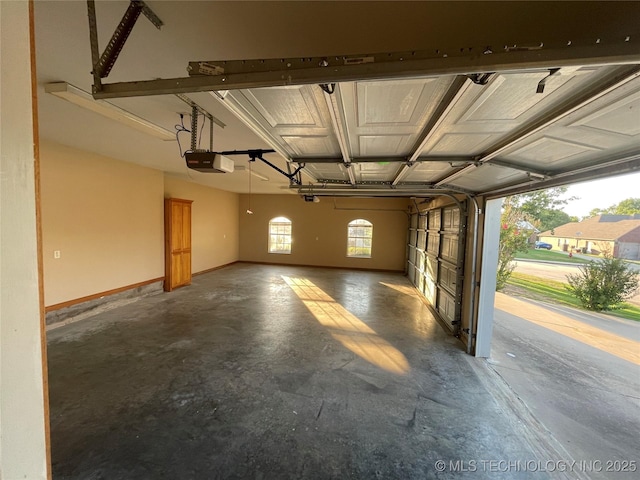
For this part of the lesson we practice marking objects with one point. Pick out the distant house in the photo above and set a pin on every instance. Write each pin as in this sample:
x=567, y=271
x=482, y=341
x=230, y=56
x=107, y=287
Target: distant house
x=524, y=225
x=617, y=234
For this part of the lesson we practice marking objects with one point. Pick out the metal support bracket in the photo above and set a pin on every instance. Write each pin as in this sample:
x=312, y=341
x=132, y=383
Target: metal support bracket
x=201, y=110
x=103, y=64
x=480, y=78
x=541, y=83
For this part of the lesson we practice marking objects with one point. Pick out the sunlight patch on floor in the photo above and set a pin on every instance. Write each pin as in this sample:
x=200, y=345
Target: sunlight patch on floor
x=348, y=329
x=406, y=289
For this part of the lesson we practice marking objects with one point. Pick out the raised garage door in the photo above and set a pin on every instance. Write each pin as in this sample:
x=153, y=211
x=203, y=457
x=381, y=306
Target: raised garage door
x=435, y=260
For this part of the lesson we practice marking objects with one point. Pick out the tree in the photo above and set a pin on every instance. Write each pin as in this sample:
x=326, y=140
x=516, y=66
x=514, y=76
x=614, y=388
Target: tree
x=604, y=284
x=630, y=206
x=513, y=239
x=542, y=208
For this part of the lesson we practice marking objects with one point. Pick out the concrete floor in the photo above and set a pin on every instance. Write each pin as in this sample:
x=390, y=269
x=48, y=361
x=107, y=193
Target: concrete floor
x=268, y=372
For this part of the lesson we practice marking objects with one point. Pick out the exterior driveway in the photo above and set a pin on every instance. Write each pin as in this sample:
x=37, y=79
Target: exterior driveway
x=579, y=374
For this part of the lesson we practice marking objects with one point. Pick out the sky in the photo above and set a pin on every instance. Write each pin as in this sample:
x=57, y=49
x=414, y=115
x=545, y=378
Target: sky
x=601, y=193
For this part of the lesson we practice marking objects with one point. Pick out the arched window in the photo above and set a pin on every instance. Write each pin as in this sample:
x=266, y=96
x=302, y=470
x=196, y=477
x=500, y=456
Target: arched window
x=359, y=238
x=280, y=235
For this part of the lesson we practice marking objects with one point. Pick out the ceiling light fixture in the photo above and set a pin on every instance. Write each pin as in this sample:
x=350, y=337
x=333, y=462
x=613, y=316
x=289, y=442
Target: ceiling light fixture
x=83, y=99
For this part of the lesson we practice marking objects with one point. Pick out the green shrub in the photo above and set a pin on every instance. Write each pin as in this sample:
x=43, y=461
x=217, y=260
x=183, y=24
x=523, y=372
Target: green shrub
x=603, y=284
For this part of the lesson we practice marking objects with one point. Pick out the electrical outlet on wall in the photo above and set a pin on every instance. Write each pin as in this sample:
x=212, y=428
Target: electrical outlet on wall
x=56, y=254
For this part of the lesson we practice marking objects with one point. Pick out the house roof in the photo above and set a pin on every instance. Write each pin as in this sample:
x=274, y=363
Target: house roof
x=601, y=227
x=524, y=225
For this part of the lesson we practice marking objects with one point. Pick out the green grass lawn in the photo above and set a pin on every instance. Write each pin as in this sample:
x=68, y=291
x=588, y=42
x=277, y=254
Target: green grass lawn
x=533, y=254
x=544, y=289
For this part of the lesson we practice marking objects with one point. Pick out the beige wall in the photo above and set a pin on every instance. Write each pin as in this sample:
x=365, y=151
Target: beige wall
x=320, y=230
x=23, y=357
x=214, y=223
x=106, y=219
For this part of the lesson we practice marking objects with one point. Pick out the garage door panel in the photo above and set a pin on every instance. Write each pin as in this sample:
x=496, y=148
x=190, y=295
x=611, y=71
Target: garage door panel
x=382, y=145
x=420, y=282
x=394, y=102
x=434, y=219
x=411, y=273
x=309, y=145
x=485, y=115
x=457, y=143
x=622, y=117
x=430, y=291
x=431, y=268
x=433, y=244
x=294, y=117
x=292, y=106
x=608, y=126
x=436, y=269
x=449, y=250
x=489, y=176
x=448, y=277
x=420, y=260
x=509, y=96
x=428, y=171
x=451, y=219
x=446, y=307
x=550, y=151
x=376, y=171
x=386, y=117
x=324, y=171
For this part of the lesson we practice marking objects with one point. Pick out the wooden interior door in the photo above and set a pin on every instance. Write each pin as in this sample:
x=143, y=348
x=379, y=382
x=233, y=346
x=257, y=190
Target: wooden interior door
x=177, y=243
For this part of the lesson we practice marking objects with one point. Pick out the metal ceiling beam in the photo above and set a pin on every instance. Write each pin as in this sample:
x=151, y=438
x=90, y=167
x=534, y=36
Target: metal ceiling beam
x=455, y=92
x=378, y=189
x=311, y=160
x=622, y=76
x=340, y=160
x=368, y=192
x=334, y=101
x=231, y=75
x=521, y=168
x=458, y=173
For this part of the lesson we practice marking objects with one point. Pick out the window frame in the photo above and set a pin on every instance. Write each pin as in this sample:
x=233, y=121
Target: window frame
x=284, y=224
x=357, y=240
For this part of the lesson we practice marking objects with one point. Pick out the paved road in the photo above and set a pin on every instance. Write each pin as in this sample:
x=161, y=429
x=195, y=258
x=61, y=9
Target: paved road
x=558, y=272
x=579, y=374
